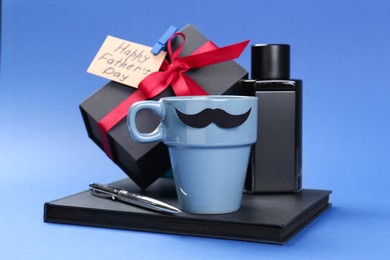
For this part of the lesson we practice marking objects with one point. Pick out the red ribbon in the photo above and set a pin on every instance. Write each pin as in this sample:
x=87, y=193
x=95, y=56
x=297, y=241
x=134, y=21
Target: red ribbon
x=170, y=74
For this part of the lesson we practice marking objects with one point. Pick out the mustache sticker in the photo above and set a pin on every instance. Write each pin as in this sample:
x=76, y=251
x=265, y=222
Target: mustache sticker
x=217, y=116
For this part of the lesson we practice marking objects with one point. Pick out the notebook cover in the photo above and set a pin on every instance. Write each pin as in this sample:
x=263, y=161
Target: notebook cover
x=270, y=218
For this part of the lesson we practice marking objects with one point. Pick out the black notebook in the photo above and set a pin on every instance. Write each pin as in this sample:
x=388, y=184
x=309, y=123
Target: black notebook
x=270, y=218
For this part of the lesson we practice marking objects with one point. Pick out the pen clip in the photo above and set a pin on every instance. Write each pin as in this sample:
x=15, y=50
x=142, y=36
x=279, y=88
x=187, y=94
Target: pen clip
x=102, y=193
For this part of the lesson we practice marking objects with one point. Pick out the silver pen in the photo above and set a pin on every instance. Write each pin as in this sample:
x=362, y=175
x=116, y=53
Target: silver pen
x=114, y=193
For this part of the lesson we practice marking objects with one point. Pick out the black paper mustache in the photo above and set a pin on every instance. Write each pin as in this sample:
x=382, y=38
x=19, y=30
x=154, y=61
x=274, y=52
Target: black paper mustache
x=217, y=116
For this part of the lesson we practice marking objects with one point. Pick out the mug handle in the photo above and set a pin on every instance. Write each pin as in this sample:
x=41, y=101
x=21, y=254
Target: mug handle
x=158, y=133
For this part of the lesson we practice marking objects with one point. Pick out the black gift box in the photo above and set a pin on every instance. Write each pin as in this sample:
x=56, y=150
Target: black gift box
x=146, y=162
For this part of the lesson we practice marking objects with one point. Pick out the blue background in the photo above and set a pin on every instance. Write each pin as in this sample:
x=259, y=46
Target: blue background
x=339, y=48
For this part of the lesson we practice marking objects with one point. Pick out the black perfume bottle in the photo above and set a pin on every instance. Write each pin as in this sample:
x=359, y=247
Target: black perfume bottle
x=276, y=160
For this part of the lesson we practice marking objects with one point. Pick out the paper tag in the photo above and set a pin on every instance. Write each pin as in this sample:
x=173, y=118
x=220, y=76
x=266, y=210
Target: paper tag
x=125, y=62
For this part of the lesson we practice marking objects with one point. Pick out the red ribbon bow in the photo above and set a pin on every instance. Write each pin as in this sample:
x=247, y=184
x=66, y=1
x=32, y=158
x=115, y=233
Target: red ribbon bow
x=170, y=74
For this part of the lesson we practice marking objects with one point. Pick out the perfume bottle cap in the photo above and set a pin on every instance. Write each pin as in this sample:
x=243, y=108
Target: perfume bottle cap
x=270, y=61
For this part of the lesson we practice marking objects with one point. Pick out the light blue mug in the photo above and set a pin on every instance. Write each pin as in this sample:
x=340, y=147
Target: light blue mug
x=209, y=140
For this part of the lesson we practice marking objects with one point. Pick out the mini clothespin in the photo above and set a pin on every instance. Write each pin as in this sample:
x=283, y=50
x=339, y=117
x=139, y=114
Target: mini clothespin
x=162, y=42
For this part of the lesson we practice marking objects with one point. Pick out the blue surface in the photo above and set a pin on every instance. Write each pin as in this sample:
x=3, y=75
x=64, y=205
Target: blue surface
x=339, y=48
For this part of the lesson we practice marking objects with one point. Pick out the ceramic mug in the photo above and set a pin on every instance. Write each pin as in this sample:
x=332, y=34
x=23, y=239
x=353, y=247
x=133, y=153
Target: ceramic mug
x=209, y=140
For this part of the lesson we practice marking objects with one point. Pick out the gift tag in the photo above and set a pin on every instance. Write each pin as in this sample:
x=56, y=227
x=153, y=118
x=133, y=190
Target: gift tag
x=125, y=62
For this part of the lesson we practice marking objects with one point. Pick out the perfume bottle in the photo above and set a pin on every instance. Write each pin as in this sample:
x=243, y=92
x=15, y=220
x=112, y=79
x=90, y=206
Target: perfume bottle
x=276, y=159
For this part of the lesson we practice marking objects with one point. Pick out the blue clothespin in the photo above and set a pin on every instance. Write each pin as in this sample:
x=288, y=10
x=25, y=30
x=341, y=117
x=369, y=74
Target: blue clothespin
x=162, y=42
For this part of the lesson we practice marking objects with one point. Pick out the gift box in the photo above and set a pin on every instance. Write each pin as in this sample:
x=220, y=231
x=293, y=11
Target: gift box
x=146, y=162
